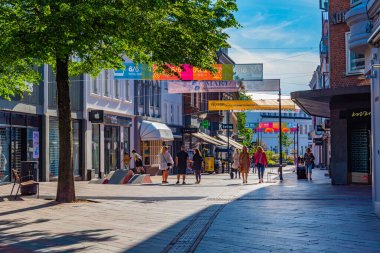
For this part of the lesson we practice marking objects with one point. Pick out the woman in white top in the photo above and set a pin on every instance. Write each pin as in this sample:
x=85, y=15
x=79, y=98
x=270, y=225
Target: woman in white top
x=236, y=162
x=166, y=162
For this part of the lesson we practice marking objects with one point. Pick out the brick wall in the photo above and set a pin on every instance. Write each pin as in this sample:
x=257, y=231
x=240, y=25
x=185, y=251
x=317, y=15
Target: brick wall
x=338, y=50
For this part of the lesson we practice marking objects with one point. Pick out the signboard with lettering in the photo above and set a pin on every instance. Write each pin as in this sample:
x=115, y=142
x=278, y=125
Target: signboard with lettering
x=180, y=87
x=244, y=105
x=189, y=130
x=96, y=116
x=186, y=72
x=228, y=126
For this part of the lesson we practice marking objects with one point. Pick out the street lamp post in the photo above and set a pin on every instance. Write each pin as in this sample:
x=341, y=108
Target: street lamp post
x=280, y=136
x=228, y=141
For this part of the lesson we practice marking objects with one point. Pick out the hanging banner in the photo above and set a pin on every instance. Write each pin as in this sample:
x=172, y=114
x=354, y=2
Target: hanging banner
x=249, y=72
x=263, y=85
x=243, y=105
x=202, y=86
x=186, y=72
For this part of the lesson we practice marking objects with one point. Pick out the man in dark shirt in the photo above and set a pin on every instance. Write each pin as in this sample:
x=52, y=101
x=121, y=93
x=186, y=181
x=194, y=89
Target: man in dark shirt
x=181, y=161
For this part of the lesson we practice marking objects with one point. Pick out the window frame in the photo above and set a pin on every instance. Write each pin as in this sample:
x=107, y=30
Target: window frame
x=349, y=70
x=107, y=92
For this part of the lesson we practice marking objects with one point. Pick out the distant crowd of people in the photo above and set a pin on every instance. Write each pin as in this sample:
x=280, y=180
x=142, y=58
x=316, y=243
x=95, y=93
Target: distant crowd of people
x=242, y=163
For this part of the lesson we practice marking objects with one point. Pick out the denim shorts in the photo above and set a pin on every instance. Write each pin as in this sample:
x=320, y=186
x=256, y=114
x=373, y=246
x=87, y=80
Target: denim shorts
x=309, y=168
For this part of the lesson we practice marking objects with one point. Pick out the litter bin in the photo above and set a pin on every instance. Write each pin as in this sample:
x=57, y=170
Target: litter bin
x=90, y=174
x=29, y=171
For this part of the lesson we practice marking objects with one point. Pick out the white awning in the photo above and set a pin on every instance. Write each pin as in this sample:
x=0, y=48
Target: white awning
x=207, y=138
x=232, y=142
x=154, y=131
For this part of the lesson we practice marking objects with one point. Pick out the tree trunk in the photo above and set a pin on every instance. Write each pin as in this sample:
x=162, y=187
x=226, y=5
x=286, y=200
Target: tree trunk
x=65, y=190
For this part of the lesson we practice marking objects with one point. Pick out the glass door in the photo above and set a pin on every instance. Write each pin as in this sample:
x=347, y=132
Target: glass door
x=4, y=155
x=111, y=146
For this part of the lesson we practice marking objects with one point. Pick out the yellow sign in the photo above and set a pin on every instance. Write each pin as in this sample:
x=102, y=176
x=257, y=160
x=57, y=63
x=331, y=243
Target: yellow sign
x=244, y=105
x=209, y=164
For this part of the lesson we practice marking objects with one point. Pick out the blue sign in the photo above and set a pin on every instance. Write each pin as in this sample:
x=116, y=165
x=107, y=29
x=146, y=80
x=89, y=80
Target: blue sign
x=134, y=72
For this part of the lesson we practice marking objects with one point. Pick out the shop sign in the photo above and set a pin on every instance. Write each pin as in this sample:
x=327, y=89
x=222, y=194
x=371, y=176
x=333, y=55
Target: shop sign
x=117, y=120
x=36, y=145
x=189, y=130
x=338, y=17
x=96, y=116
x=228, y=126
x=318, y=141
x=205, y=124
x=180, y=87
x=186, y=72
x=262, y=85
x=319, y=130
x=361, y=114
x=242, y=105
x=221, y=150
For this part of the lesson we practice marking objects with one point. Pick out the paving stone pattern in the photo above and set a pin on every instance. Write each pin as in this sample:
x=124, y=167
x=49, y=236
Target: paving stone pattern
x=293, y=216
x=297, y=216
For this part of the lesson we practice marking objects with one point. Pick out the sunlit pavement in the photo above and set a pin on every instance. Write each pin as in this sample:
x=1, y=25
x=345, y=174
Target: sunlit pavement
x=142, y=218
x=219, y=215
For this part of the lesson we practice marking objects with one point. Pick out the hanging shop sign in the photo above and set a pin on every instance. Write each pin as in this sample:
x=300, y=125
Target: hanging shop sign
x=274, y=127
x=186, y=72
x=99, y=117
x=244, y=105
x=189, y=130
x=205, y=124
x=318, y=141
x=262, y=85
x=180, y=87
x=228, y=126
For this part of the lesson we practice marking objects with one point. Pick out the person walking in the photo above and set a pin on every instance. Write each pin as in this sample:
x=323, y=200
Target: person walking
x=197, y=165
x=181, y=162
x=236, y=164
x=253, y=165
x=138, y=162
x=309, y=162
x=244, y=163
x=127, y=161
x=166, y=162
x=261, y=162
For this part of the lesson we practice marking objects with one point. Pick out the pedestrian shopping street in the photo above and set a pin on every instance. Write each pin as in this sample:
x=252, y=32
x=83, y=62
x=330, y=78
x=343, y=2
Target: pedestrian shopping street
x=218, y=215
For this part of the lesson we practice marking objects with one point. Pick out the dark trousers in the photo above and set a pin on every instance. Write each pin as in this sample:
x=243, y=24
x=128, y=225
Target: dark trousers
x=198, y=175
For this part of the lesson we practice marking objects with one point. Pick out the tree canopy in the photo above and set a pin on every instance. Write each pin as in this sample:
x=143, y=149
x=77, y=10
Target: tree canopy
x=86, y=36
x=96, y=34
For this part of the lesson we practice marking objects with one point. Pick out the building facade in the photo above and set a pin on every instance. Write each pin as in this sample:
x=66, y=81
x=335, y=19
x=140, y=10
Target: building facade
x=363, y=19
x=345, y=98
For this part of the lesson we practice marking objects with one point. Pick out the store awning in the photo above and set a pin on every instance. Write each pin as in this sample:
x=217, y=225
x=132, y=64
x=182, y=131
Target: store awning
x=154, y=131
x=232, y=142
x=317, y=102
x=207, y=138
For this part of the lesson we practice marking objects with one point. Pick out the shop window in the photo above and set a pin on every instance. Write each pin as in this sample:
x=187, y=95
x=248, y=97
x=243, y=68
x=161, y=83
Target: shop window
x=171, y=114
x=96, y=148
x=4, y=155
x=54, y=146
x=355, y=62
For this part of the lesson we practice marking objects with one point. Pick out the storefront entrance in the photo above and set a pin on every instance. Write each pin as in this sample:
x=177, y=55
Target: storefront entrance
x=19, y=141
x=111, y=148
x=359, y=136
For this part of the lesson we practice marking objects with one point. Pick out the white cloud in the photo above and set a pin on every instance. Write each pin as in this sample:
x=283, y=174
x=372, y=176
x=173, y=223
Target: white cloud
x=294, y=69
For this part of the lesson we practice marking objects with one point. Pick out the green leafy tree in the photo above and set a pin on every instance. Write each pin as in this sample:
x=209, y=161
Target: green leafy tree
x=86, y=36
x=286, y=142
x=244, y=132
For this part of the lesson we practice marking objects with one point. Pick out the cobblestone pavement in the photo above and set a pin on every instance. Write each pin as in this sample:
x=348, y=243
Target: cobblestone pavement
x=125, y=218
x=219, y=215
x=297, y=216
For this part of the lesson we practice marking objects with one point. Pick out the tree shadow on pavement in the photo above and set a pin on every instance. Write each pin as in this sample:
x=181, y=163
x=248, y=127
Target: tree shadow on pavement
x=31, y=208
x=15, y=237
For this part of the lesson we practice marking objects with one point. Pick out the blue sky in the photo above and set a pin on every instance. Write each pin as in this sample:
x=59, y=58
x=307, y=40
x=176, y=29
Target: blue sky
x=284, y=35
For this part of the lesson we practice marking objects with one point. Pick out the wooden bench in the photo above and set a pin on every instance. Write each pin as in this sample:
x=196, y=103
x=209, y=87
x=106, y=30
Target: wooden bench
x=21, y=183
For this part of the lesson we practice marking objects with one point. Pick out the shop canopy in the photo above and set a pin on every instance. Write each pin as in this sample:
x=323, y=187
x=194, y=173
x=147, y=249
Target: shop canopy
x=232, y=142
x=154, y=131
x=207, y=138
